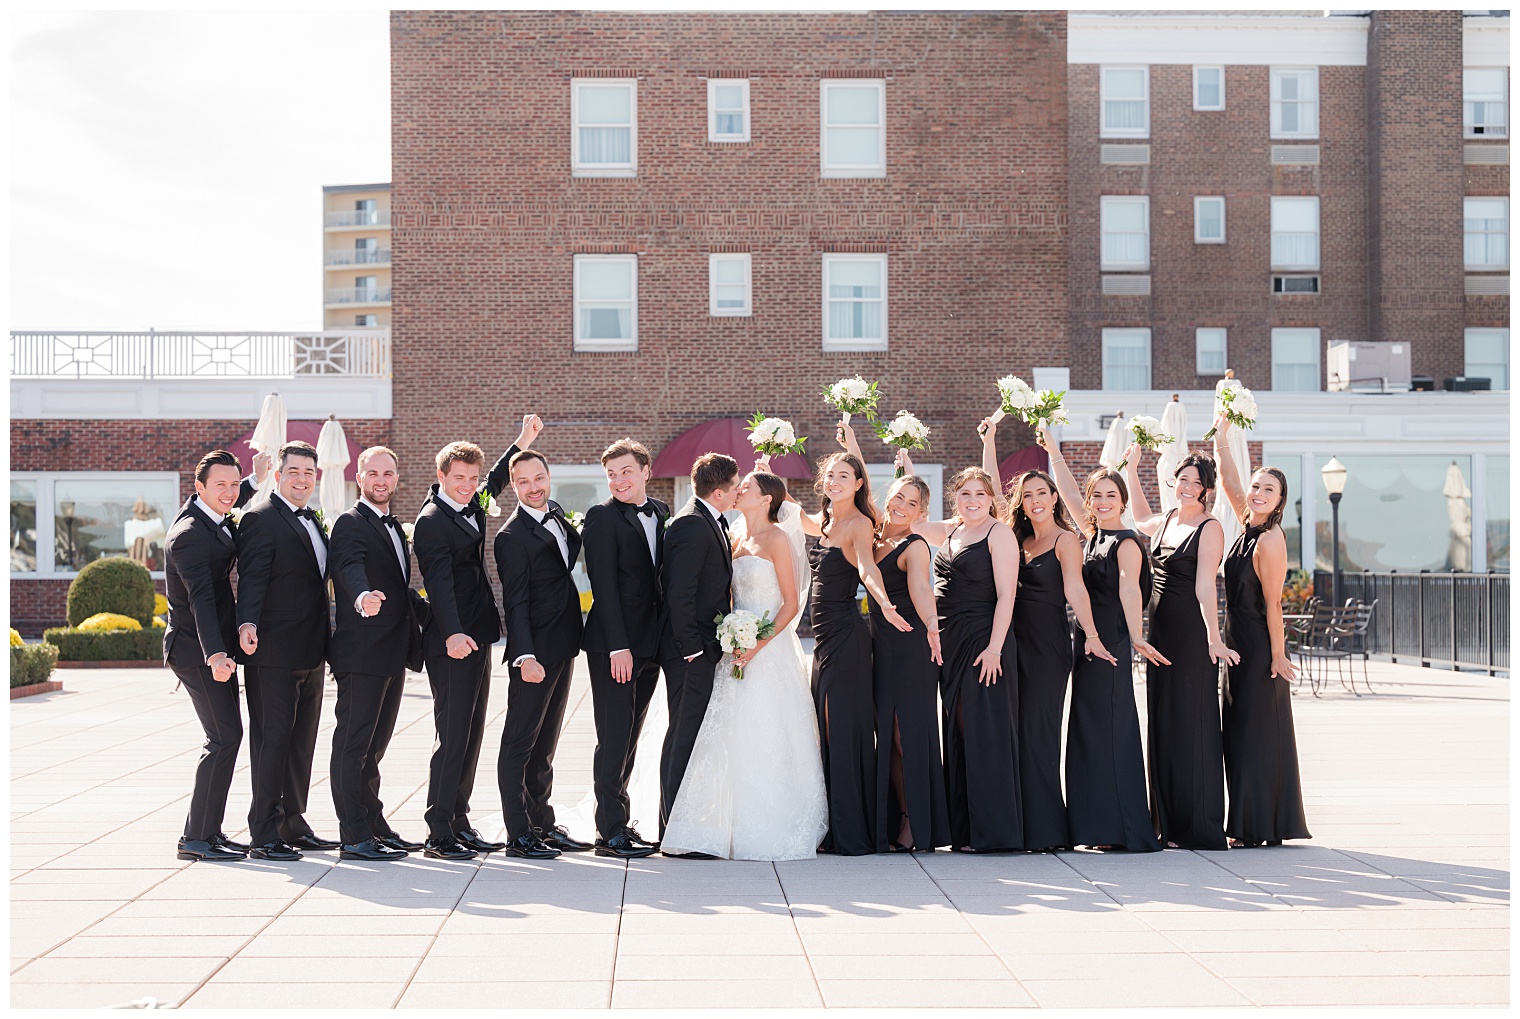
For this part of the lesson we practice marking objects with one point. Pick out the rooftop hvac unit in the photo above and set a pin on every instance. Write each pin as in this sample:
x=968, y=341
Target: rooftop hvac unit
x=1365, y=367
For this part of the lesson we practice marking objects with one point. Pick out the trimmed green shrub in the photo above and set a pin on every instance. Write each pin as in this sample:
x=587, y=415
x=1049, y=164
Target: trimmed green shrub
x=114, y=584
x=32, y=663
x=107, y=646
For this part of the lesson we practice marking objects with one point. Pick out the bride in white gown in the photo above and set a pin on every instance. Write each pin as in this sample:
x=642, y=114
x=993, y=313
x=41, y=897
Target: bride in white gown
x=754, y=788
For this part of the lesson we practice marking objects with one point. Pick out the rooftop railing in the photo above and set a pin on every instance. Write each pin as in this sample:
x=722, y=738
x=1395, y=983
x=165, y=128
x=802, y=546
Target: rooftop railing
x=155, y=355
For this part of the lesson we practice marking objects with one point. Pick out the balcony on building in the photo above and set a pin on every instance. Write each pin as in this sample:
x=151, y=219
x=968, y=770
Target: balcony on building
x=378, y=296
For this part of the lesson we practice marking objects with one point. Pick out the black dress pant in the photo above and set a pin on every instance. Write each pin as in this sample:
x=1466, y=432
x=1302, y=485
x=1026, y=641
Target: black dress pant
x=688, y=688
x=284, y=712
x=366, y=711
x=529, y=737
x=216, y=705
x=619, y=710
x=461, y=687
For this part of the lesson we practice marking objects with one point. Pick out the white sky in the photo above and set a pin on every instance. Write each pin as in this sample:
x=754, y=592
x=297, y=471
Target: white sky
x=167, y=168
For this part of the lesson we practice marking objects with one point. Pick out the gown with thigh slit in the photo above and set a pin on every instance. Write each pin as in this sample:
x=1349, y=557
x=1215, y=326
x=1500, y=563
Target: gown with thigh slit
x=980, y=720
x=906, y=683
x=1044, y=642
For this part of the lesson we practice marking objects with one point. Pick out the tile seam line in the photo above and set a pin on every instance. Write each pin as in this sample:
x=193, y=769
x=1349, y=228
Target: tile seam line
x=979, y=935
x=785, y=897
x=617, y=935
x=433, y=940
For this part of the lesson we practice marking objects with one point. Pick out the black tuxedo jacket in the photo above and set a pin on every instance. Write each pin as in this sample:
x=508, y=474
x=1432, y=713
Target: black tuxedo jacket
x=198, y=558
x=362, y=557
x=697, y=575
x=627, y=605
x=281, y=590
x=538, y=595
x=451, y=558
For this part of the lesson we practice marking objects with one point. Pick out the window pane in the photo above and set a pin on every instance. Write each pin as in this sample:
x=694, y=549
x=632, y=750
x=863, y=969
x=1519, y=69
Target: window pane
x=1399, y=512
x=1126, y=359
x=112, y=517
x=1210, y=219
x=1287, y=87
x=606, y=104
x=853, y=146
x=1211, y=351
x=1124, y=217
x=1483, y=83
x=729, y=296
x=606, y=281
x=729, y=123
x=23, y=527
x=606, y=145
x=1124, y=83
x=854, y=279
x=1295, y=214
x=728, y=97
x=853, y=105
x=1498, y=512
x=606, y=323
x=1295, y=360
x=1123, y=113
x=1208, y=86
x=729, y=270
x=854, y=320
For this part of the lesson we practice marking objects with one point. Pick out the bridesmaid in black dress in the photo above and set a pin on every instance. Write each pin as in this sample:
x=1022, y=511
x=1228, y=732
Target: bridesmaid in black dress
x=1260, y=750
x=976, y=580
x=842, y=673
x=1186, y=742
x=910, y=780
x=1105, y=767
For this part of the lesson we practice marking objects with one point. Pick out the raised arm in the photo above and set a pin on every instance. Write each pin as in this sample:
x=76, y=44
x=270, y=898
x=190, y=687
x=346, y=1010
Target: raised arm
x=1271, y=564
x=845, y=436
x=1005, y=576
x=921, y=592
x=1229, y=474
x=1131, y=565
x=1069, y=555
x=1066, y=483
x=1210, y=552
x=1145, y=521
x=988, y=431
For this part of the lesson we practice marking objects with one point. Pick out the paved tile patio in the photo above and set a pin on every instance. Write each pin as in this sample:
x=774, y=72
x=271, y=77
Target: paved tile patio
x=1401, y=899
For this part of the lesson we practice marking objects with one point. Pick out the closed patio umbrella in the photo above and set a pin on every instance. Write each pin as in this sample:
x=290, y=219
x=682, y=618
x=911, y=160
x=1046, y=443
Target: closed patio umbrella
x=269, y=436
x=332, y=458
x=1173, y=423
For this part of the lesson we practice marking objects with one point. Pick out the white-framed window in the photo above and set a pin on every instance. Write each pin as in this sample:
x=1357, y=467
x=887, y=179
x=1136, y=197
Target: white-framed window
x=61, y=521
x=728, y=110
x=728, y=284
x=1208, y=220
x=1295, y=102
x=852, y=115
x=854, y=302
x=1295, y=233
x=1485, y=233
x=606, y=302
x=1212, y=350
x=1126, y=100
x=1485, y=102
x=1208, y=88
x=1487, y=356
x=366, y=320
x=604, y=127
x=1126, y=359
x=1125, y=224
x=1295, y=360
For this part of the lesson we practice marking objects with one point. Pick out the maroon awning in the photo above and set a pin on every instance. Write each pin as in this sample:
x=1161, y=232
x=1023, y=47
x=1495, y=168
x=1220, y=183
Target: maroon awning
x=1030, y=458
x=297, y=431
x=724, y=435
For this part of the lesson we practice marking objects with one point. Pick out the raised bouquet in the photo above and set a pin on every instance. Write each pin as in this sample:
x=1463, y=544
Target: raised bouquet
x=1034, y=408
x=904, y=432
x=853, y=396
x=1238, y=405
x=1148, y=434
x=741, y=629
x=773, y=436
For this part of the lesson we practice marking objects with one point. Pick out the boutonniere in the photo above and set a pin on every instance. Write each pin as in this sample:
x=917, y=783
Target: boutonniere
x=235, y=515
x=487, y=503
x=321, y=519
x=575, y=519
x=407, y=527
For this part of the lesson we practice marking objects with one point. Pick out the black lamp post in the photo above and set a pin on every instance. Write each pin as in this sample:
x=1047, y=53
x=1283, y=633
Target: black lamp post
x=67, y=507
x=1334, y=475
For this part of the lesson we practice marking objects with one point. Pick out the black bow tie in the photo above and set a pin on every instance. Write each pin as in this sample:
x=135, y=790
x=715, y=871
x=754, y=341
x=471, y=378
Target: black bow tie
x=645, y=509
x=226, y=522
x=555, y=513
x=390, y=521
x=308, y=513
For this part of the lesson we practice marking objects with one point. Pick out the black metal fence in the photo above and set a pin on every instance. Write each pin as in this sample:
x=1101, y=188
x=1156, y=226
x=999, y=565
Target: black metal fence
x=1455, y=619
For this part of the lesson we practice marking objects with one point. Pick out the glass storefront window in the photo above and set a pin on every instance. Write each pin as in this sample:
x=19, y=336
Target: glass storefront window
x=1293, y=512
x=95, y=518
x=1399, y=513
x=1498, y=512
x=23, y=527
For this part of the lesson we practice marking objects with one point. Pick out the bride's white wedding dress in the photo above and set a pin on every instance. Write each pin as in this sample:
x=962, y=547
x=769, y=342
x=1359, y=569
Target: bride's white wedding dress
x=754, y=787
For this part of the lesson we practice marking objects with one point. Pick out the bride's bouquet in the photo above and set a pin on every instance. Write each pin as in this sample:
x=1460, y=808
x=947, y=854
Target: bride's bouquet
x=1023, y=402
x=1148, y=434
x=853, y=396
x=743, y=629
x=904, y=432
x=773, y=436
x=1238, y=405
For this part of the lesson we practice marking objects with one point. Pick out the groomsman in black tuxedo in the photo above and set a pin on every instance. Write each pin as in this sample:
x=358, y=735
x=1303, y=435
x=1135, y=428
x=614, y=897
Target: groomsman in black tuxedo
x=200, y=637
x=535, y=552
x=378, y=637
x=283, y=631
x=697, y=576
x=449, y=538
x=627, y=634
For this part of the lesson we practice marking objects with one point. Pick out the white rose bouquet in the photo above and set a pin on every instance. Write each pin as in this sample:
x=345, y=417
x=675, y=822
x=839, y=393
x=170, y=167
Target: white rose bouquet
x=1237, y=403
x=904, y=432
x=743, y=630
x=853, y=396
x=773, y=436
x=1015, y=396
x=1148, y=434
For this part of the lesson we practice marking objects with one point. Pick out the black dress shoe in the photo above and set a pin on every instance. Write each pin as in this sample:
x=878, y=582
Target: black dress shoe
x=210, y=852
x=225, y=843
x=472, y=839
x=312, y=841
x=276, y=850
x=370, y=849
x=558, y=837
x=393, y=841
x=689, y=856
x=623, y=847
x=638, y=839
x=447, y=849
x=529, y=846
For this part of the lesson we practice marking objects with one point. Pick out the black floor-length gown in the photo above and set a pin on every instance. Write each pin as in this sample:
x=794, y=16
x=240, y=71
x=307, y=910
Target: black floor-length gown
x=906, y=683
x=980, y=721
x=1186, y=742
x=1260, y=751
x=842, y=697
x=1044, y=642
x=1105, y=767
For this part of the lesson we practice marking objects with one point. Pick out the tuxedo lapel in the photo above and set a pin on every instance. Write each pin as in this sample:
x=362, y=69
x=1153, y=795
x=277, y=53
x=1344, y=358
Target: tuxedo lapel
x=403, y=565
x=294, y=522
x=223, y=535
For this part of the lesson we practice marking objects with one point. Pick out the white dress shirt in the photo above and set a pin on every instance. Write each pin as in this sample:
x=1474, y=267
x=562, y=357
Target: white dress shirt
x=649, y=523
x=458, y=507
x=216, y=518
x=318, y=539
x=553, y=527
x=395, y=541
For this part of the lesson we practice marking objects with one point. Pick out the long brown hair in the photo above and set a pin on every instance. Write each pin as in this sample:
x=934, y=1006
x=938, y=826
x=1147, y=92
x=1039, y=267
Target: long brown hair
x=1016, y=518
x=1208, y=474
x=1275, y=517
x=1102, y=474
x=771, y=485
x=863, y=500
